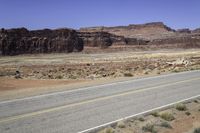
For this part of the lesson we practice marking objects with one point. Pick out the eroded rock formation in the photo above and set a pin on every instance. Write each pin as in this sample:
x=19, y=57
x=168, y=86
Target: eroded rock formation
x=96, y=39
x=155, y=33
x=22, y=41
x=143, y=31
x=104, y=39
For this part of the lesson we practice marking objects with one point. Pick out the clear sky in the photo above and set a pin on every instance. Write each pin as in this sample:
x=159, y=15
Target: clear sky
x=39, y=14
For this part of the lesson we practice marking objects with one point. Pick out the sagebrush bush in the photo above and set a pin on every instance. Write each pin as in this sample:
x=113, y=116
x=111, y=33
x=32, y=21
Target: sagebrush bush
x=109, y=130
x=187, y=113
x=167, y=116
x=155, y=114
x=149, y=128
x=128, y=74
x=141, y=119
x=166, y=125
x=181, y=107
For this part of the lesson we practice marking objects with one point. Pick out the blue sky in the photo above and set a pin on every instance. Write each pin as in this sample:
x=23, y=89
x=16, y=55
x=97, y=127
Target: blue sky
x=39, y=14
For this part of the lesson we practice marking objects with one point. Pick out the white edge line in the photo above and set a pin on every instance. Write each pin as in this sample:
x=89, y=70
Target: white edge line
x=134, y=115
x=86, y=88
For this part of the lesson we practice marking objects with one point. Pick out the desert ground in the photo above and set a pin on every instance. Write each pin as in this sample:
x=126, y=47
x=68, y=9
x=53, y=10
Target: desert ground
x=28, y=75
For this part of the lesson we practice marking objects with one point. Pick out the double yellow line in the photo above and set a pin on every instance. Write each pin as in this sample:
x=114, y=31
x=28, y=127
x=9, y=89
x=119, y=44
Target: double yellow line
x=54, y=109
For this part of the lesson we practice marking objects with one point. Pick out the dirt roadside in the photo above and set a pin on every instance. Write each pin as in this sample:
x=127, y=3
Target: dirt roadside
x=181, y=118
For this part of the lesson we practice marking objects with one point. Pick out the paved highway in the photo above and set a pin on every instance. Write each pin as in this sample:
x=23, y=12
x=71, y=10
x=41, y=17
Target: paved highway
x=85, y=108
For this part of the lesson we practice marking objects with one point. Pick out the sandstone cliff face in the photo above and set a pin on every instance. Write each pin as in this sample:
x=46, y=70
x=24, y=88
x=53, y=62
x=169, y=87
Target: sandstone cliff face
x=22, y=41
x=96, y=39
x=146, y=31
x=155, y=33
x=104, y=39
x=181, y=41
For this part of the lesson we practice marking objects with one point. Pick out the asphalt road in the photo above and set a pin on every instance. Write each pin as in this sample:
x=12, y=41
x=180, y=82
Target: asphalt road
x=78, y=110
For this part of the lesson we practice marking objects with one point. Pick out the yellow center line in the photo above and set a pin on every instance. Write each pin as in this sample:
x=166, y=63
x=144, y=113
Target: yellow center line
x=12, y=118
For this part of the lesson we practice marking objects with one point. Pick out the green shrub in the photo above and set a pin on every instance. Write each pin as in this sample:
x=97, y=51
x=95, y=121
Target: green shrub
x=197, y=130
x=176, y=70
x=59, y=77
x=149, y=128
x=167, y=116
x=187, y=113
x=128, y=74
x=121, y=124
x=146, y=72
x=158, y=72
x=166, y=125
x=196, y=101
x=155, y=114
x=108, y=130
x=181, y=107
x=141, y=119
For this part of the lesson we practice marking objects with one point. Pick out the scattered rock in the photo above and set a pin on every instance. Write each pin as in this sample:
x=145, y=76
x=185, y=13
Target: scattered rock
x=18, y=75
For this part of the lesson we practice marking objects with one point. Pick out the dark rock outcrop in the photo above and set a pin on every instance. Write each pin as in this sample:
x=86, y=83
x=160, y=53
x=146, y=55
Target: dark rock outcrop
x=184, y=30
x=22, y=41
x=196, y=30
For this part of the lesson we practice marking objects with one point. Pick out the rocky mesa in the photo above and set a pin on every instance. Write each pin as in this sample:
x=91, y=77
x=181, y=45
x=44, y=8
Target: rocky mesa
x=157, y=34
x=144, y=31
